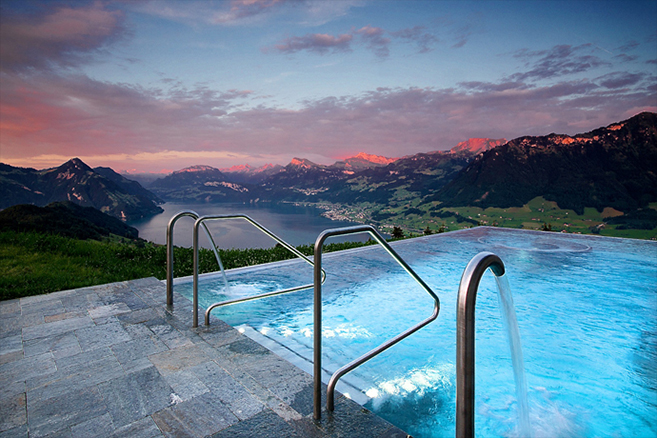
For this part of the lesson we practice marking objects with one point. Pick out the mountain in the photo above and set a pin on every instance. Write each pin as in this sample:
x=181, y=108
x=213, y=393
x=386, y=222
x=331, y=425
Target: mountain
x=64, y=218
x=129, y=185
x=364, y=161
x=414, y=176
x=361, y=178
x=200, y=184
x=247, y=174
x=75, y=181
x=474, y=146
x=614, y=166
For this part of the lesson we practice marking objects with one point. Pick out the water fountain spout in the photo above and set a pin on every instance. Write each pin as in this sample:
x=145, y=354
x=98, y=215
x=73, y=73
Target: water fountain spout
x=465, y=339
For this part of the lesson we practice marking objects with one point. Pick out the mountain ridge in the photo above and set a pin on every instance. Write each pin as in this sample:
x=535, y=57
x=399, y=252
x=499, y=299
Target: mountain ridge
x=75, y=181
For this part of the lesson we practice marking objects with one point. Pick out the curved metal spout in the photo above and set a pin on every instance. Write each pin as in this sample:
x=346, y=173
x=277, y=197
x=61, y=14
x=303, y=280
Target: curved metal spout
x=465, y=339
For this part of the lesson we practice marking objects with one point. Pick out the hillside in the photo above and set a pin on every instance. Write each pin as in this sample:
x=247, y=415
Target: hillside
x=200, y=184
x=65, y=219
x=615, y=166
x=76, y=182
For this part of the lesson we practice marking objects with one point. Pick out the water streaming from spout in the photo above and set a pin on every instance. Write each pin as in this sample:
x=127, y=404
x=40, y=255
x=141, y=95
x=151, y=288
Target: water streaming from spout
x=216, y=255
x=510, y=322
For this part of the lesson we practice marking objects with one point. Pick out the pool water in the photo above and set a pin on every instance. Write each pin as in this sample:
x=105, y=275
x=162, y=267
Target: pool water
x=585, y=306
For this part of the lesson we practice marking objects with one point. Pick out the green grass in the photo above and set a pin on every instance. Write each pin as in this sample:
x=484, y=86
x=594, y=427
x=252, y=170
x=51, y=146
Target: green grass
x=35, y=263
x=533, y=216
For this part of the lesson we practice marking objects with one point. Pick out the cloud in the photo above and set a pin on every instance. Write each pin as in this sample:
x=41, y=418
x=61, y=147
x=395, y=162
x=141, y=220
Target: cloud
x=620, y=79
x=318, y=42
x=64, y=36
x=374, y=40
x=244, y=9
x=244, y=12
x=152, y=129
x=418, y=35
x=559, y=61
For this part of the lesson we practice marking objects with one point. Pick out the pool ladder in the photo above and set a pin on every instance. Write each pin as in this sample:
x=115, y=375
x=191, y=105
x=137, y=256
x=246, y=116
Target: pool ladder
x=317, y=329
x=201, y=222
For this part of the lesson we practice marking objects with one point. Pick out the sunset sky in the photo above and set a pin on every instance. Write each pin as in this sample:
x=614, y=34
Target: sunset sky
x=153, y=86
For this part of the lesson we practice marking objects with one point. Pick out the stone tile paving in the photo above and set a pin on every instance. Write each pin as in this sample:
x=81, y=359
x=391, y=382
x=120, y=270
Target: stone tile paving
x=113, y=361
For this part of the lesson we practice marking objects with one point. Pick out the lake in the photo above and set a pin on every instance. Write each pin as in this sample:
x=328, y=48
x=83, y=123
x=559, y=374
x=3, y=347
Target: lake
x=294, y=224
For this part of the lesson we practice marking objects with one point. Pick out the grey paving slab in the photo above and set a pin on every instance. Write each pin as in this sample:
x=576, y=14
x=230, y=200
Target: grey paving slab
x=137, y=331
x=108, y=310
x=10, y=308
x=84, y=359
x=264, y=424
x=81, y=302
x=11, y=357
x=11, y=325
x=98, y=336
x=238, y=399
x=93, y=428
x=27, y=368
x=17, y=432
x=171, y=361
x=44, y=308
x=13, y=412
x=10, y=389
x=133, y=354
x=58, y=413
x=144, y=428
x=56, y=328
x=11, y=344
x=136, y=395
x=60, y=345
x=169, y=335
x=138, y=316
x=65, y=315
x=186, y=385
x=199, y=417
x=75, y=378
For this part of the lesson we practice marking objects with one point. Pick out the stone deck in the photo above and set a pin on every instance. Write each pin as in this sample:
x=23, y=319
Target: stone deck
x=113, y=361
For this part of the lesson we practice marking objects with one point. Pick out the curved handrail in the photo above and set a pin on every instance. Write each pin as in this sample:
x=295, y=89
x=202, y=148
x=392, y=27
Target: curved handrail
x=201, y=221
x=465, y=338
x=172, y=222
x=317, y=329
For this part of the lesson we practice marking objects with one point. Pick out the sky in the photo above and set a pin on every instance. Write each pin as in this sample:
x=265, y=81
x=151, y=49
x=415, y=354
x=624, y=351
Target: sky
x=156, y=86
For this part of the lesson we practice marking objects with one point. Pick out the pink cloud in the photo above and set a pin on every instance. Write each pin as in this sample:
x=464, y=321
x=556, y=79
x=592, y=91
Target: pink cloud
x=49, y=117
x=61, y=37
x=375, y=40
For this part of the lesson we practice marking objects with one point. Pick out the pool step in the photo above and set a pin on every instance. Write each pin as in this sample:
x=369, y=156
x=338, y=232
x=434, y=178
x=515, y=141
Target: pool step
x=301, y=355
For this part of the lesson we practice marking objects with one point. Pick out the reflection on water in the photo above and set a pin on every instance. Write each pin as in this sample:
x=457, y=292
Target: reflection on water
x=296, y=225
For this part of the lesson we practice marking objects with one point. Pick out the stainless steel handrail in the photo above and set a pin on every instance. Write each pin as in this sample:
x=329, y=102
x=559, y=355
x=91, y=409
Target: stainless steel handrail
x=172, y=222
x=317, y=330
x=201, y=221
x=465, y=339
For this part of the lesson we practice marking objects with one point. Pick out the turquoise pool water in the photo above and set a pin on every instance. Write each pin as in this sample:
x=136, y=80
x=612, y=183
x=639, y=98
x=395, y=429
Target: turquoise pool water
x=586, y=310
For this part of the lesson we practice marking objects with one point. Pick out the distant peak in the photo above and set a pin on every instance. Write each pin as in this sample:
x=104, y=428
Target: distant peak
x=477, y=145
x=378, y=159
x=239, y=168
x=302, y=162
x=76, y=163
x=197, y=168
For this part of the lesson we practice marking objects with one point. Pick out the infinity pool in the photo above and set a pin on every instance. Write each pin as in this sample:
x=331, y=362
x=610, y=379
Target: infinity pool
x=586, y=310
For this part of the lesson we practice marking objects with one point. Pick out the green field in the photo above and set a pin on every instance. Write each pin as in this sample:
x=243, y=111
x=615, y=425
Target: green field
x=538, y=214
